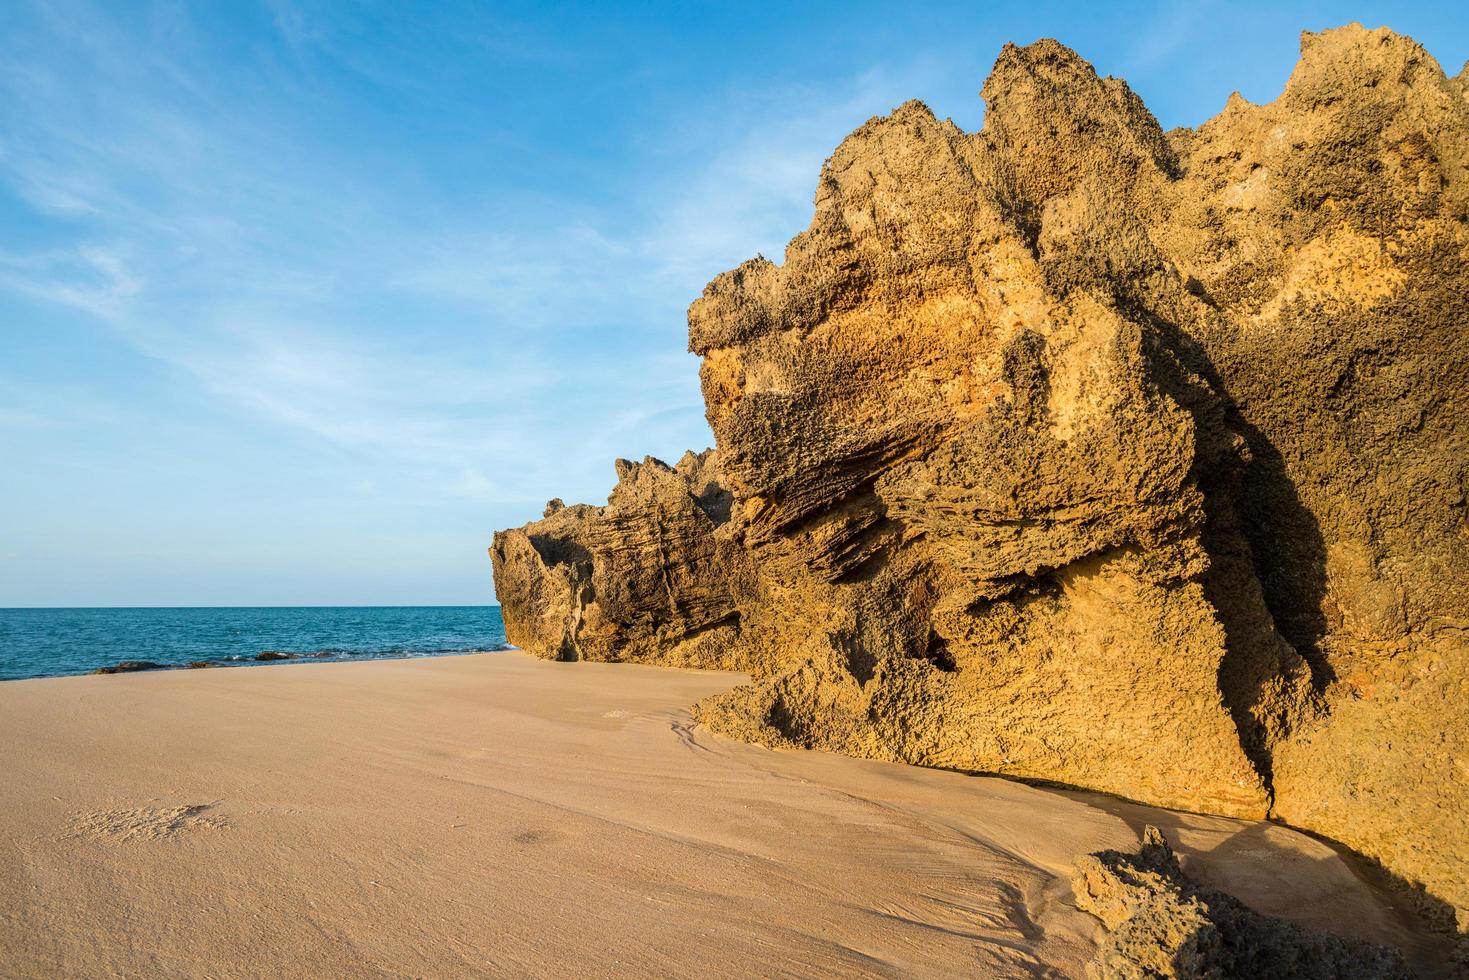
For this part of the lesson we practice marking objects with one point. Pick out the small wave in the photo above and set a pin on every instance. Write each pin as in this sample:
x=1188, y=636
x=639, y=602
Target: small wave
x=278, y=656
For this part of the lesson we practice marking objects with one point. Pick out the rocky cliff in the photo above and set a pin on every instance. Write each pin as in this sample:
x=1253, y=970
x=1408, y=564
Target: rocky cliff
x=1083, y=452
x=642, y=579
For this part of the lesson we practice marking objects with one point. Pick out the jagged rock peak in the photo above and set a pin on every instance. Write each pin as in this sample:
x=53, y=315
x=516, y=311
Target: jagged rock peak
x=1044, y=99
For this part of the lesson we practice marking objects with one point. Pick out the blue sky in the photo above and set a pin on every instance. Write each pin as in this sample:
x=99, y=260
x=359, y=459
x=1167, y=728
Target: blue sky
x=300, y=301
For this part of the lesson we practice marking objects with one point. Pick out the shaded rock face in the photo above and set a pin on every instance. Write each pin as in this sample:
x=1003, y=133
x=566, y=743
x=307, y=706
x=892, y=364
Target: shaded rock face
x=1329, y=229
x=642, y=579
x=1083, y=452
x=1160, y=923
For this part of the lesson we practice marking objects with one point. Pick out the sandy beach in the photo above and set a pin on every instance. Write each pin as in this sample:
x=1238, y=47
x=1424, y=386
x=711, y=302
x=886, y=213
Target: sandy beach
x=500, y=815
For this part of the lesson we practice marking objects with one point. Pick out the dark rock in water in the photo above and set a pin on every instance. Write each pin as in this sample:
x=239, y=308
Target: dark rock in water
x=129, y=666
x=1163, y=924
x=201, y=664
x=265, y=655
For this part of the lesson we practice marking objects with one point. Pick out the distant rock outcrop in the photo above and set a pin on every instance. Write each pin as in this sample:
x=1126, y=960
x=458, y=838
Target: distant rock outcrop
x=1083, y=452
x=641, y=579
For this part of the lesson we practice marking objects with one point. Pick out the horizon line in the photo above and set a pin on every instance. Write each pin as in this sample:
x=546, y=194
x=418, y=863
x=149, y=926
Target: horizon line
x=345, y=605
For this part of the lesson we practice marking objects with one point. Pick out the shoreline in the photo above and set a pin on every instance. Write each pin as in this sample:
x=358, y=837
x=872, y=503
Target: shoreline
x=477, y=813
x=263, y=659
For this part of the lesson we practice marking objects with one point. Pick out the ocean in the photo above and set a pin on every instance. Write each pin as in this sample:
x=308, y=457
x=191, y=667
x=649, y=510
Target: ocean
x=51, y=642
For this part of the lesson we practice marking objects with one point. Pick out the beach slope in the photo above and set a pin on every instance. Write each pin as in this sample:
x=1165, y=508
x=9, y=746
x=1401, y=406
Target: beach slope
x=498, y=814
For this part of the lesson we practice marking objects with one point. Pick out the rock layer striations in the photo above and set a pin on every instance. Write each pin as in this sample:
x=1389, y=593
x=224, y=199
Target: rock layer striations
x=1083, y=452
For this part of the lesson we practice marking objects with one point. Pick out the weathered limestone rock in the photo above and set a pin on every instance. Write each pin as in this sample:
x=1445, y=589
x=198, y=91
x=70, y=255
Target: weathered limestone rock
x=1083, y=452
x=641, y=579
x=1162, y=924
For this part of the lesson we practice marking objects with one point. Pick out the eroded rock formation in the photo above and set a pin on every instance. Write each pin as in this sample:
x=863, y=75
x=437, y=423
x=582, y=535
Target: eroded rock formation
x=642, y=579
x=1084, y=452
x=1162, y=924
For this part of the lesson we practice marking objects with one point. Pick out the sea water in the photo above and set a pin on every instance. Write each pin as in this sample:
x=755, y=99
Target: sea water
x=48, y=642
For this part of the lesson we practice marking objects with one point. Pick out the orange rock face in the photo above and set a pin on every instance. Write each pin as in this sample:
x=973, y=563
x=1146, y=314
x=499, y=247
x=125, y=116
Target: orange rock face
x=1083, y=452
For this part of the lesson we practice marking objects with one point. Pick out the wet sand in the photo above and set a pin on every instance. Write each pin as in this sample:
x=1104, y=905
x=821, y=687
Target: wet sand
x=500, y=815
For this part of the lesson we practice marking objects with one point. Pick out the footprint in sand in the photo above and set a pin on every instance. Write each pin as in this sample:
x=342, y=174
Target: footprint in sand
x=144, y=823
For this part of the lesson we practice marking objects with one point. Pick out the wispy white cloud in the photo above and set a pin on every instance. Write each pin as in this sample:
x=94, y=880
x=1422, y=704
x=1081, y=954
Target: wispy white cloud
x=479, y=357
x=756, y=187
x=89, y=277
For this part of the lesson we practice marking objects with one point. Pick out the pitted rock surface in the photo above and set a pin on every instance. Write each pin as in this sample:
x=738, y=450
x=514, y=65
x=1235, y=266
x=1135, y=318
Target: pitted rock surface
x=1162, y=924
